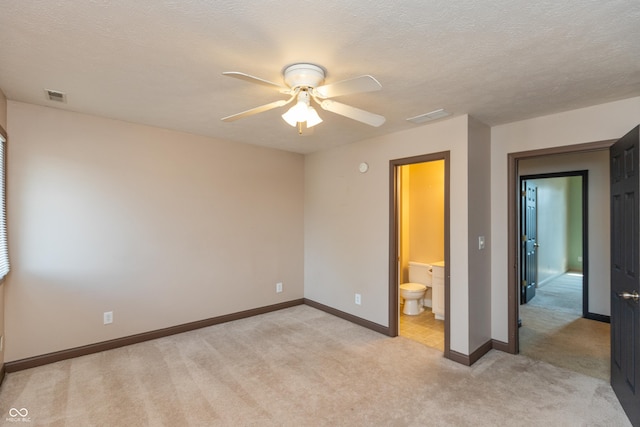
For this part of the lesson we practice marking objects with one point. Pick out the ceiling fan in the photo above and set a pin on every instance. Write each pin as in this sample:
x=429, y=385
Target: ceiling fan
x=304, y=83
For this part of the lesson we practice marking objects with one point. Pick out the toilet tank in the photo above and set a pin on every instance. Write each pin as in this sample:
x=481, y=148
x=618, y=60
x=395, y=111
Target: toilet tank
x=419, y=273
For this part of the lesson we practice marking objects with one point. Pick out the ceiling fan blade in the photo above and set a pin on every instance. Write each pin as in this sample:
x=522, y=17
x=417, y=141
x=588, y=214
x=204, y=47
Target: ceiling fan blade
x=260, y=109
x=256, y=80
x=352, y=112
x=356, y=85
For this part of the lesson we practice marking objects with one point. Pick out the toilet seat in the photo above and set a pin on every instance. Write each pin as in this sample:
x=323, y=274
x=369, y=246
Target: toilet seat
x=413, y=287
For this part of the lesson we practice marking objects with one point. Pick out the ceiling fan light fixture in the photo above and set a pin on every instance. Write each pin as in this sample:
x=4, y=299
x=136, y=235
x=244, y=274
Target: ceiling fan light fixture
x=297, y=113
x=312, y=117
x=302, y=112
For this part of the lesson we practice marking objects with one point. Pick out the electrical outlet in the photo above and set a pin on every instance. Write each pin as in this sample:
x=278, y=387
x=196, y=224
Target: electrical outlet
x=279, y=287
x=358, y=299
x=480, y=242
x=108, y=317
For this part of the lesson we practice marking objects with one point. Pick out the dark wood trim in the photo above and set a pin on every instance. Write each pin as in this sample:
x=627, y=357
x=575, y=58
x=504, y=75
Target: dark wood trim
x=480, y=351
x=584, y=175
x=598, y=317
x=393, y=241
x=513, y=225
x=447, y=263
x=585, y=243
x=350, y=317
x=393, y=250
x=57, y=356
x=513, y=247
x=500, y=346
x=565, y=149
x=474, y=356
x=45, y=359
x=463, y=359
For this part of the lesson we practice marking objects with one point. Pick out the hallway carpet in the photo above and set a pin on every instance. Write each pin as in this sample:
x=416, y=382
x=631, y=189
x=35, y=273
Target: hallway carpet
x=302, y=367
x=553, y=330
x=564, y=293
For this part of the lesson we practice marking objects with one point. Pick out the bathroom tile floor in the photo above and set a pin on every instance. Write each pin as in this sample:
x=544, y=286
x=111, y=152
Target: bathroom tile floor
x=423, y=328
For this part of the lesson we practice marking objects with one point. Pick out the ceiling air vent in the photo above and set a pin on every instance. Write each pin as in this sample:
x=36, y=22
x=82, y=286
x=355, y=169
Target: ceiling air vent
x=437, y=114
x=54, y=95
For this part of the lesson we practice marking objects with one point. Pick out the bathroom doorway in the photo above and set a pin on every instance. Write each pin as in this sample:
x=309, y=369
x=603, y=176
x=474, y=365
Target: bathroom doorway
x=419, y=234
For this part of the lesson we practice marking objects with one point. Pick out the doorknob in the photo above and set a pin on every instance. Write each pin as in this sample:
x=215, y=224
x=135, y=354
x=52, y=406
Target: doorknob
x=536, y=245
x=626, y=295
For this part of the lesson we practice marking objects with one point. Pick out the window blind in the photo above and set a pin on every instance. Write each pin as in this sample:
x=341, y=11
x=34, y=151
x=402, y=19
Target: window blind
x=4, y=252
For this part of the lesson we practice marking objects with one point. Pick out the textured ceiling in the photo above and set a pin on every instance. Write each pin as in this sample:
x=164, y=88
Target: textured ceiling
x=161, y=62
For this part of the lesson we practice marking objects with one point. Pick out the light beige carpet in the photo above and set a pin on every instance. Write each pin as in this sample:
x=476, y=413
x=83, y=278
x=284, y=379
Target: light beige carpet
x=563, y=293
x=553, y=330
x=303, y=367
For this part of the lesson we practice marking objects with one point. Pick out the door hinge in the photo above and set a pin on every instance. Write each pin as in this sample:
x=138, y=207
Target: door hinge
x=523, y=193
x=524, y=283
x=524, y=237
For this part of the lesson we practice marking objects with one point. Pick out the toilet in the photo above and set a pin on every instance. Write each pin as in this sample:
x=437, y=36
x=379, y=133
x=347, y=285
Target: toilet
x=413, y=292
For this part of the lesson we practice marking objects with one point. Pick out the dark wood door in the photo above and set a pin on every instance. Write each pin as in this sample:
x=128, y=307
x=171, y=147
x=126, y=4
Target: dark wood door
x=529, y=243
x=625, y=283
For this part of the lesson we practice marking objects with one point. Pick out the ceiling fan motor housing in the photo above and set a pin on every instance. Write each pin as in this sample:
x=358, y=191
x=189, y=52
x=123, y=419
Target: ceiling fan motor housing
x=303, y=75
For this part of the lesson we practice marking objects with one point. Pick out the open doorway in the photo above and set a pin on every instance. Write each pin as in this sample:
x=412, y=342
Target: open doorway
x=555, y=275
x=553, y=226
x=419, y=245
x=592, y=291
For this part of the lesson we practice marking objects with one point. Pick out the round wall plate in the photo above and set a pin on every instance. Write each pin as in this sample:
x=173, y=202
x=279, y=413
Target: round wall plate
x=363, y=167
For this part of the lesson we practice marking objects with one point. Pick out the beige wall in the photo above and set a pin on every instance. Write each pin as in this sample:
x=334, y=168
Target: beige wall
x=347, y=222
x=479, y=225
x=597, y=163
x=160, y=227
x=597, y=123
x=3, y=110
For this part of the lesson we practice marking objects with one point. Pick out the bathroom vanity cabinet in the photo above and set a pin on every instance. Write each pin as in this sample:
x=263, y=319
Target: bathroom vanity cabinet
x=437, y=286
